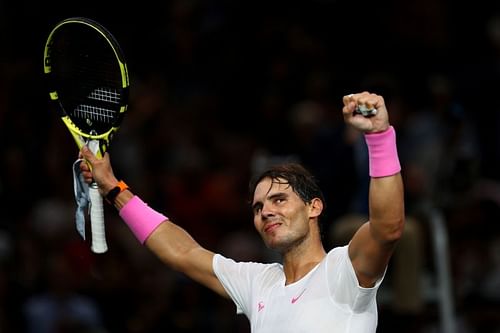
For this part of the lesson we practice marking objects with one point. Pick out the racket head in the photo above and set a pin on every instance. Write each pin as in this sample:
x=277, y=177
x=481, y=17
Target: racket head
x=88, y=79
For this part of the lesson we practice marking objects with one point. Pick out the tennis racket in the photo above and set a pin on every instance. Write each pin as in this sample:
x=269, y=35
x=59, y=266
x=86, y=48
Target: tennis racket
x=88, y=87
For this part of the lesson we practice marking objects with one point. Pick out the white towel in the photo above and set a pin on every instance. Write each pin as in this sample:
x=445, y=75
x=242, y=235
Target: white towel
x=82, y=198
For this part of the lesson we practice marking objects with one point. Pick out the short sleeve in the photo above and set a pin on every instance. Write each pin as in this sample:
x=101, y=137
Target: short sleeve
x=343, y=283
x=237, y=279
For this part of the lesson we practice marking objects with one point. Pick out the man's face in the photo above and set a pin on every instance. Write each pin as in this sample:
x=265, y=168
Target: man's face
x=280, y=215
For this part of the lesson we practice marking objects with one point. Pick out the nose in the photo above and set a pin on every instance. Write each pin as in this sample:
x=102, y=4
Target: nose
x=266, y=212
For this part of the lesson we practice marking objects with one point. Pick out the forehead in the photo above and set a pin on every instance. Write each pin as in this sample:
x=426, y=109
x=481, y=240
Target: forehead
x=267, y=187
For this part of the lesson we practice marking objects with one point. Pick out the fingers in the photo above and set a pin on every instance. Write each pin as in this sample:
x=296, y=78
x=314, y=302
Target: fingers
x=86, y=165
x=365, y=99
x=348, y=99
x=349, y=104
x=86, y=172
x=88, y=155
x=365, y=111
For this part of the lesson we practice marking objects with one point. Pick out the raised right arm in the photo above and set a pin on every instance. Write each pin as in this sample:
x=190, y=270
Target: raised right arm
x=169, y=242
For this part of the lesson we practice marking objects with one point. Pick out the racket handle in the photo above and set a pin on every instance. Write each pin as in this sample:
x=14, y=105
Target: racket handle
x=97, y=220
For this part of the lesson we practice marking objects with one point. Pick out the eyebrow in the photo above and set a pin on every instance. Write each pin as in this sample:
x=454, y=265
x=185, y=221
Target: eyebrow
x=259, y=204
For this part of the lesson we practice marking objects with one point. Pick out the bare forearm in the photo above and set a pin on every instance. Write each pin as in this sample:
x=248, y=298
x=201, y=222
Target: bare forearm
x=178, y=250
x=387, y=207
x=172, y=244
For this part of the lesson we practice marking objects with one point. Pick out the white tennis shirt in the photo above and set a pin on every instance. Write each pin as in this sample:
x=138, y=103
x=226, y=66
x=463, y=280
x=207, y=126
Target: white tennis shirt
x=328, y=299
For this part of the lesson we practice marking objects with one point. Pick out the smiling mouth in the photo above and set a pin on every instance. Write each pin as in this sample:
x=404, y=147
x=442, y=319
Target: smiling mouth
x=271, y=227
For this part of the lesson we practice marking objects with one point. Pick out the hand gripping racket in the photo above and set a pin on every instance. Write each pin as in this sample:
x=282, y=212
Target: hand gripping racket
x=88, y=87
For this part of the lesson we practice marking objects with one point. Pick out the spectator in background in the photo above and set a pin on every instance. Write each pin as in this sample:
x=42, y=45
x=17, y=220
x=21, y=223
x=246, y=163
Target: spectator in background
x=61, y=308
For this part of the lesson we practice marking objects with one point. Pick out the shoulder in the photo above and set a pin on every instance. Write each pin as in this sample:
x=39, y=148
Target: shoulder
x=337, y=260
x=222, y=264
x=338, y=253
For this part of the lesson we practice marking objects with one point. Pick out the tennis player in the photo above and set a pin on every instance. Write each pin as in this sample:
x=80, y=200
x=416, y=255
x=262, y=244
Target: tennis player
x=311, y=290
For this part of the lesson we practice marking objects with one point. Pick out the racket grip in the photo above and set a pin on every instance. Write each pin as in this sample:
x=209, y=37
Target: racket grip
x=99, y=244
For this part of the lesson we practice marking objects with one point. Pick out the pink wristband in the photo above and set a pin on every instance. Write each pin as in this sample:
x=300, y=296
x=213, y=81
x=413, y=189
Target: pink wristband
x=383, y=153
x=141, y=218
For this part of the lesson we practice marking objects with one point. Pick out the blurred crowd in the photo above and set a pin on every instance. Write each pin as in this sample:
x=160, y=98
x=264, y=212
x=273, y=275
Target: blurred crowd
x=218, y=91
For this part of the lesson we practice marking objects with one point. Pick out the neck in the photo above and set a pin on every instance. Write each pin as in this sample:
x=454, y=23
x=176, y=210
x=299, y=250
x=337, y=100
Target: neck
x=299, y=260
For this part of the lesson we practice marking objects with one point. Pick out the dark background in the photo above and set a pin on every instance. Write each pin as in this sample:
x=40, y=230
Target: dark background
x=219, y=88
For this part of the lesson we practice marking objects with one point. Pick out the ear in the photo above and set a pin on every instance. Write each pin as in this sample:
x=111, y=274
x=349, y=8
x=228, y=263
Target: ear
x=315, y=207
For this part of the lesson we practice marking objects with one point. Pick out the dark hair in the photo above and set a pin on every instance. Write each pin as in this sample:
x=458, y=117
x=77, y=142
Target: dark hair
x=301, y=180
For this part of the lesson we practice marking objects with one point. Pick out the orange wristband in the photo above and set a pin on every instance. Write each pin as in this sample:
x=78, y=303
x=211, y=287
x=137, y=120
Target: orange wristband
x=113, y=193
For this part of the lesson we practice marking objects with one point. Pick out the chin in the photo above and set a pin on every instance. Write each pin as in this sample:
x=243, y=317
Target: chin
x=276, y=245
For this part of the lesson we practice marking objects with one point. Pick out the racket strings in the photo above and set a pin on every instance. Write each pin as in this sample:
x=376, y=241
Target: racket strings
x=106, y=95
x=95, y=113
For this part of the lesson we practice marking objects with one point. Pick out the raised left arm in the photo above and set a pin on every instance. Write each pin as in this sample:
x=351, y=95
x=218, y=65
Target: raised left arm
x=373, y=244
